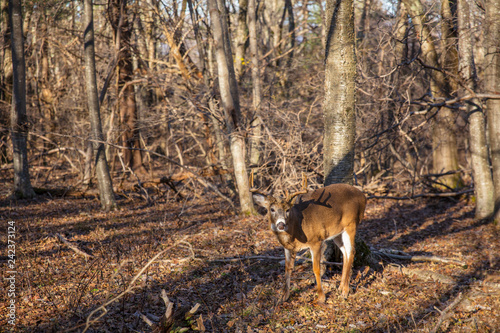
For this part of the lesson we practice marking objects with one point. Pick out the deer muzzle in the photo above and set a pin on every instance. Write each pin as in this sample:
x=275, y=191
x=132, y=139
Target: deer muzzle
x=281, y=225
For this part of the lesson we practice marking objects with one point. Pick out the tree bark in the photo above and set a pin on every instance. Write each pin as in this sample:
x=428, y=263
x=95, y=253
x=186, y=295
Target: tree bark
x=19, y=120
x=444, y=142
x=5, y=76
x=122, y=27
x=256, y=126
x=230, y=103
x=492, y=86
x=339, y=104
x=449, y=38
x=105, y=184
x=241, y=39
x=483, y=183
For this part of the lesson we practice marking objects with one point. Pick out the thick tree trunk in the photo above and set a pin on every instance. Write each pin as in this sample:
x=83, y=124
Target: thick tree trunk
x=105, y=184
x=483, y=183
x=339, y=104
x=230, y=103
x=122, y=27
x=492, y=86
x=256, y=126
x=444, y=144
x=19, y=119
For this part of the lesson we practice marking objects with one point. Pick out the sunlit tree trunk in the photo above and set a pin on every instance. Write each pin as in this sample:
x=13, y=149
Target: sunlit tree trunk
x=19, y=120
x=273, y=14
x=105, y=184
x=122, y=27
x=340, y=98
x=444, y=143
x=256, y=126
x=241, y=39
x=492, y=86
x=230, y=103
x=339, y=104
x=483, y=183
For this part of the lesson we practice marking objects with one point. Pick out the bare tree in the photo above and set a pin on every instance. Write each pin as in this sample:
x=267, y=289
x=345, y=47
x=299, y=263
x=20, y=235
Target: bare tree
x=492, y=86
x=104, y=180
x=444, y=142
x=19, y=120
x=240, y=38
x=5, y=76
x=256, y=126
x=339, y=104
x=483, y=183
x=121, y=21
x=230, y=102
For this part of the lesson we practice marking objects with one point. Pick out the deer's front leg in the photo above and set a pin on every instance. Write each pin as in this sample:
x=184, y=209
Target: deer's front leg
x=316, y=257
x=289, y=264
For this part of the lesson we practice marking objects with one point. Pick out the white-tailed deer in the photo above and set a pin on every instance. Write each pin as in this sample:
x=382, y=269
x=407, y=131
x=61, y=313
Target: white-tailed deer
x=331, y=212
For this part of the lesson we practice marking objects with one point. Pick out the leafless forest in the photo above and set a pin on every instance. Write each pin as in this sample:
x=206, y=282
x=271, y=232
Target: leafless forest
x=186, y=115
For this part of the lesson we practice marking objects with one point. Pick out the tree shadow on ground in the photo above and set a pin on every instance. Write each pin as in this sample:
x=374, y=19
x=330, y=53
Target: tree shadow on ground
x=227, y=289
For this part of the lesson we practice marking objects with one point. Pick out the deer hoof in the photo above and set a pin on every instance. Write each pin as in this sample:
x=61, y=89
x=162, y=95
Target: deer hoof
x=320, y=300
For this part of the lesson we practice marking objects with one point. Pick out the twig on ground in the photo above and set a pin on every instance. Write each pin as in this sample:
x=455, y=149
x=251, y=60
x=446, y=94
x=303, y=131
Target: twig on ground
x=445, y=313
x=73, y=246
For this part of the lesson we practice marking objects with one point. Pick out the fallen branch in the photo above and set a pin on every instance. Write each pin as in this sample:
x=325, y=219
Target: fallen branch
x=422, y=274
x=394, y=254
x=73, y=246
x=180, y=318
x=272, y=258
x=422, y=195
x=445, y=313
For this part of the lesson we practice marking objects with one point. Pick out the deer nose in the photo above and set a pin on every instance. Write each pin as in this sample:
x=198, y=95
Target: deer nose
x=280, y=225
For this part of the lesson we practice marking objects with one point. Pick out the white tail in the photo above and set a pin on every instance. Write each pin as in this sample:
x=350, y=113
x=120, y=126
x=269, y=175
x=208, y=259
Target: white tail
x=331, y=212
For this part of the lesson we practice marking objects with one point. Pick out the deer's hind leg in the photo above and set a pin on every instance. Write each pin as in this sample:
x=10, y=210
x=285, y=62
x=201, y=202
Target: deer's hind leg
x=345, y=241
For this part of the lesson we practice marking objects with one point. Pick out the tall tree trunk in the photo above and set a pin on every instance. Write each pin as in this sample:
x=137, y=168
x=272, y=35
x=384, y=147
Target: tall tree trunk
x=444, y=142
x=241, y=39
x=483, y=182
x=230, y=103
x=492, y=86
x=449, y=38
x=256, y=126
x=19, y=120
x=364, y=22
x=5, y=76
x=122, y=27
x=339, y=104
x=340, y=98
x=106, y=193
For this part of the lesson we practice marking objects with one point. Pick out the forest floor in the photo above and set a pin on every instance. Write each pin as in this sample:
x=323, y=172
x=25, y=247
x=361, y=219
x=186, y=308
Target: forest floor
x=227, y=264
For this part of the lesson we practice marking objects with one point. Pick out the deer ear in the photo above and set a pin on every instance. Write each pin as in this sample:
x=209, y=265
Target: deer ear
x=260, y=199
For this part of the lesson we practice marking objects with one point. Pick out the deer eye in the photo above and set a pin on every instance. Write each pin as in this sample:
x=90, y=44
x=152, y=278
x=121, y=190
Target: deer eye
x=272, y=210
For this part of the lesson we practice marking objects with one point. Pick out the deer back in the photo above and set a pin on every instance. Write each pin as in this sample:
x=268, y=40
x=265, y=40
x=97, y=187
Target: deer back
x=326, y=212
